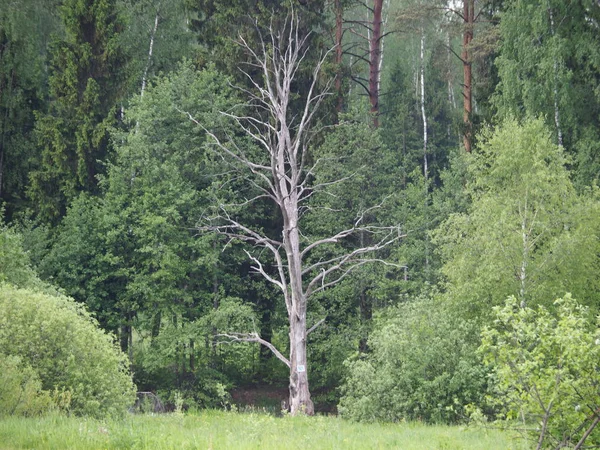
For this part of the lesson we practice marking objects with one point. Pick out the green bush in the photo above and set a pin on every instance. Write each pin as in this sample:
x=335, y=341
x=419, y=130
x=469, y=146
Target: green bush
x=422, y=366
x=546, y=371
x=14, y=263
x=59, y=340
x=21, y=391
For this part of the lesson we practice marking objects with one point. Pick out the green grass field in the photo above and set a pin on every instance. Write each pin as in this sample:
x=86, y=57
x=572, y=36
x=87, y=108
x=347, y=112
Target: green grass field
x=223, y=430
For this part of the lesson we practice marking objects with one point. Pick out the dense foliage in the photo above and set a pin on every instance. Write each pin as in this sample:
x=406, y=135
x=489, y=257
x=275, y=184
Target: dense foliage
x=54, y=355
x=422, y=366
x=546, y=367
x=126, y=132
x=58, y=339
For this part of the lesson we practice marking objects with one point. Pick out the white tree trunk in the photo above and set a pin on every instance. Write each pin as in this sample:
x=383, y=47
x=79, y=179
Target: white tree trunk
x=386, y=9
x=422, y=97
x=287, y=181
x=150, y=50
x=555, y=86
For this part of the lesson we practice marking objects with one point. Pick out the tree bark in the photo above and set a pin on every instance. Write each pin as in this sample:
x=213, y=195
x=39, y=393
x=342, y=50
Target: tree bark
x=555, y=86
x=339, y=52
x=300, y=401
x=150, y=50
x=423, y=112
x=374, y=59
x=469, y=21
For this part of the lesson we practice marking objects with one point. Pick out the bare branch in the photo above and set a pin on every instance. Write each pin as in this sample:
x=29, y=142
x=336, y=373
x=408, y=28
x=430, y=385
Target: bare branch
x=315, y=326
x=350, y=260
x=259, y=268
x=253, y=337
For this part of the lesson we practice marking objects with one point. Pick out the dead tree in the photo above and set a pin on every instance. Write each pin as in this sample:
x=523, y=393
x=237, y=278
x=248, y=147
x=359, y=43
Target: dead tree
x=283, y=175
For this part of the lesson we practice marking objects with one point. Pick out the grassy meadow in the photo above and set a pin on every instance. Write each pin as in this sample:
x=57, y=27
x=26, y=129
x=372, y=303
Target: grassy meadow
x=226, y=430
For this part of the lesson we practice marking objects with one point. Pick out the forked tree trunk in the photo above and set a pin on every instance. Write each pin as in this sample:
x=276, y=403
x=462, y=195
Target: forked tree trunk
x=287, y=182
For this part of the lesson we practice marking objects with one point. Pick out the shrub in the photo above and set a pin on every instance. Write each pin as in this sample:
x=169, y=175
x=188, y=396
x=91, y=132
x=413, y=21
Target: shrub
x=422, y=366
x=14, y=264
x=21, y=391
x=63, y=345
x=546, y=367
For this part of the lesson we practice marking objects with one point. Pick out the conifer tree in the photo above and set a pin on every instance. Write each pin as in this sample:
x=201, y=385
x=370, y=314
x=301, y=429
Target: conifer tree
x=84, y=84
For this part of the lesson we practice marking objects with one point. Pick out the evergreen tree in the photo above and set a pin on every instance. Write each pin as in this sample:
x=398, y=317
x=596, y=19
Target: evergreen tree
x=24, y=30
x=85, y=82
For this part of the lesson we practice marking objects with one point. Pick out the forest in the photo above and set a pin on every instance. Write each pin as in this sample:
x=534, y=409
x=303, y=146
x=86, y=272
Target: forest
x=388, y=209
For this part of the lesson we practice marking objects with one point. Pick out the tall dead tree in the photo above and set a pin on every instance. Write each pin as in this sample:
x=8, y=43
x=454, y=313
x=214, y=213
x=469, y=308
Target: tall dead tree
x=283, y=174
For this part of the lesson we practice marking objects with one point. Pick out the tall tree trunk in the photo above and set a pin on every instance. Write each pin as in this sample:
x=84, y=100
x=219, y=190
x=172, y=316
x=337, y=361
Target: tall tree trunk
x=450, y=79
x=150, y=50
x=425, y=143
x=374, y=59
x=469, y=20
x=216, y=304
x=386, y=8
x=422, y=96
x=339, y=34
x=300, y=401
x=555, y=86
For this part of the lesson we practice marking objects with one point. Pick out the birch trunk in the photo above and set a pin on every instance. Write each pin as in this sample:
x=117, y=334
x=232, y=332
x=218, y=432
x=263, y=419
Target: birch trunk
x=555, y=86
x=422, y=96
x=425, y=140
x=150, y=50
x=386, y=8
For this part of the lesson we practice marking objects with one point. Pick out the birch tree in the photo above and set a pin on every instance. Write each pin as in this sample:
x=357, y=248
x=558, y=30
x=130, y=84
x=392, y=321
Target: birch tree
x=527, y=232
x=283, y=172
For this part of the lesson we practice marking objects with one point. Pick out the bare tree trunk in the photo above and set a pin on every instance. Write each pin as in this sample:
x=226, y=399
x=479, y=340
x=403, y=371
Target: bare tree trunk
x=425, y=141
x=148, y=62
x=374, y=59
x=2, y=158
x=300, y=401
x=386, y=8
x=216, y=302
x=150, y=50
x=7, y=90
x=451, y=96
x=525, y=254
x=469, y=21
x=287, y=181
x=423, y=112
x=555, y=87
